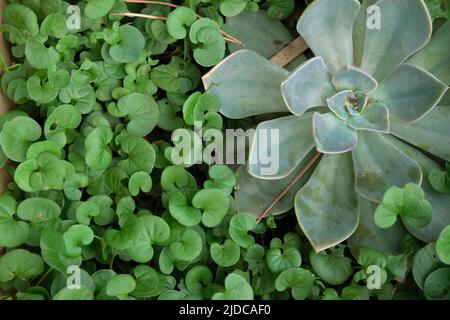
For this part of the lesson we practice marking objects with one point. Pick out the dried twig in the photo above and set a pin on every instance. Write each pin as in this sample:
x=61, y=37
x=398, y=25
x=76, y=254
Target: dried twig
x=291, y=184
x=226, y=35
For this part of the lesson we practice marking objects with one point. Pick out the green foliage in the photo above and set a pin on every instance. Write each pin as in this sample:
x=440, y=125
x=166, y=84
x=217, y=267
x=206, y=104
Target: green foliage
x=409, y=203
x=94, y=187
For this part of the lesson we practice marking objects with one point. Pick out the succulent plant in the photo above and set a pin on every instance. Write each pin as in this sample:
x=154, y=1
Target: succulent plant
x=372, y=102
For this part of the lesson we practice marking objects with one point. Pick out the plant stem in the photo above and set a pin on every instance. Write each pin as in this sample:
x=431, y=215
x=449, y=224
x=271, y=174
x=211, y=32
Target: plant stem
x=44, y=276
x=152, y=2
x=138, y=15
x=291, y=184
x=226, y=35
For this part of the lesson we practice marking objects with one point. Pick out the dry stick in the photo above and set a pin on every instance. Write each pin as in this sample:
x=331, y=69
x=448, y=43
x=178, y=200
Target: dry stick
x=291, y=184
x=139, y=15
x=228, y=37
x=290, y=52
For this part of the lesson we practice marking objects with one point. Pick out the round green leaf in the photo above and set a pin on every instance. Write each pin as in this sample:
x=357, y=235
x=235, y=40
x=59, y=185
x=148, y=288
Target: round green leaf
x=188, y=247
x=120, y=285
x=443, y=245
x=437, y=285
x=214, y=204
x=138, y=155
x=98, y=153
x=17, y=135
x=332, y=268
x=236, y=288
x=226, y=254
x=38, y=210
x=75, y=237
x=139, y=181
x=130, y=46
x=20, y=263
x=240, y=225
x=141, y=111
x=299, y=280
x=177, y=19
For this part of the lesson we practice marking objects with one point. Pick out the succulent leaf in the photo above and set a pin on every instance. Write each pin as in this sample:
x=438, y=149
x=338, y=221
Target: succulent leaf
x=256, y=202
x=247, y=85
x=332, y=135
x=296, y=142
x=328, y=200
x=337, y=104
x=410, y=93
x=267, y=39
x=374, y=118
x=312, y=75
x=434, y=56
x=327, y=27
x=380, y=165
x=431, y=133
x=353, y=78
x=402, y=33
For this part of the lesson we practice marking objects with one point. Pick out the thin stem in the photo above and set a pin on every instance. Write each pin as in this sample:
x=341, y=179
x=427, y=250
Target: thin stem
x=152, y=2
x=138, y=15
x=227, y=36
x=291, y=184
x=44, y=276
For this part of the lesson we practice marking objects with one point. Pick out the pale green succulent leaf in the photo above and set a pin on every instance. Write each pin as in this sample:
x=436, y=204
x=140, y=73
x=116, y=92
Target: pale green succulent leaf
x=337, y=102
x=256, y=202
x=353, y=78
x=379, y=165
x=327, y=27
x=401, y=34
x=247, y=84
x=410, y=92
x=295, y=143
x=308, y=86
x=359, y=30
x=267, y=39
x=434, y=56
x=375, y=118
x=327, y=207
x=332, y=135
x=431, y=133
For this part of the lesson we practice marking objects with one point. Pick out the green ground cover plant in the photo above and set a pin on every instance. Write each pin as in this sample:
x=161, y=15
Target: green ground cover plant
x=95, y=193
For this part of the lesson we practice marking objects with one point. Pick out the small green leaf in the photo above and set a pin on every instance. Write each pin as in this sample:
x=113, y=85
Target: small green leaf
x=299, y=280
x=214, y=204
x=227, y=254
x=120, y=286
x=240, y=225
x=130, y=46
x=96, y=9
x=75, y=237
x=236, y=288
x=21, y=264
x=17, y=135
x=437, y=285
x=443, y=245
x=333, y=268
x=177, y=19
x=188, y=247
x=409, y=203
x=440, y=180
x=139, y=181
x=230, y=8
x=98, y=153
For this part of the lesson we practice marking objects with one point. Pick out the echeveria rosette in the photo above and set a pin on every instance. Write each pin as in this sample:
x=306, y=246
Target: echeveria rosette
x=364, y=87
